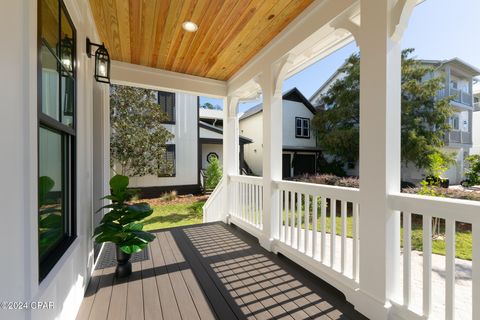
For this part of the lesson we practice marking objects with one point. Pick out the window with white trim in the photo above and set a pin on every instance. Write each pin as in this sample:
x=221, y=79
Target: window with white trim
x=302, y=127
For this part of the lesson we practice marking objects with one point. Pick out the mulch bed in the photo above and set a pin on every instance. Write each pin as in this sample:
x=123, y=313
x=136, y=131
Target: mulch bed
x=178, y=200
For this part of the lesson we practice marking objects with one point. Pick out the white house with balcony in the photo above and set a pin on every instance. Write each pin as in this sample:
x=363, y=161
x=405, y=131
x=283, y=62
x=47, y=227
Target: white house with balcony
x=264, y=250
x=300, y=151
x=459, y=77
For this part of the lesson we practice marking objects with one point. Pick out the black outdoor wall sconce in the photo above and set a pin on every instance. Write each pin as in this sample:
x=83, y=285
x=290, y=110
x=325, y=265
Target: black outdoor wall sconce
x=102, y=61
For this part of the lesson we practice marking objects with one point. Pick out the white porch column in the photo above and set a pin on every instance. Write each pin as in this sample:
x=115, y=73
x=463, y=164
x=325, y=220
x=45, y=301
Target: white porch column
x=231, y=148
x=382, y=23
x=271, y=82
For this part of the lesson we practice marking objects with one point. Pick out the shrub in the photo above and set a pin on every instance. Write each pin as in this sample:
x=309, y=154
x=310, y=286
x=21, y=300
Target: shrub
x=473, y=173
x=447, y=193
x=214, y=173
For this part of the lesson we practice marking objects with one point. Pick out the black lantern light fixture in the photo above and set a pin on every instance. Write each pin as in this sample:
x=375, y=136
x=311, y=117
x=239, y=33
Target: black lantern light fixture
x=102, y=61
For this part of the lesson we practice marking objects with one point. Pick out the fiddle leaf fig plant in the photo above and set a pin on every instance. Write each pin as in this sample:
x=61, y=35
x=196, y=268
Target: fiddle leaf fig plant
x=121, y=224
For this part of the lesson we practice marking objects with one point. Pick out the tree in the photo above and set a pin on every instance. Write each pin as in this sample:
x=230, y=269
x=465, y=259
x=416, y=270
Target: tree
x=424, y=118
x=214, y=173
x=138, y=138
x=208, y=105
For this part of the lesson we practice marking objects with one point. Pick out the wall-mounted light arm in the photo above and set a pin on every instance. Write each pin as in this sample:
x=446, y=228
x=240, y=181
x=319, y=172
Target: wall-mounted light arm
x=102, y=61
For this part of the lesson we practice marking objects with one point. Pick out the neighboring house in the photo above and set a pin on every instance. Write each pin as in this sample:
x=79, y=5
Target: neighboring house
x=476, y=120
x=300, y=151
x=197, y=137
x=459, y=77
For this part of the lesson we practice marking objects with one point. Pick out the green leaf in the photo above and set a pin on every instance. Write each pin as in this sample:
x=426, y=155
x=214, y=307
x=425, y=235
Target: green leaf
x=118, y=183
x=133, y=226
x=144, y=236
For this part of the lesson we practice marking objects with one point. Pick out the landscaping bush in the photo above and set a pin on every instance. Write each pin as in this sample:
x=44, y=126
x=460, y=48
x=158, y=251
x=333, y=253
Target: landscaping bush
x=214, y=173
x=473, y=173
x=353, y=182
x=447, y=193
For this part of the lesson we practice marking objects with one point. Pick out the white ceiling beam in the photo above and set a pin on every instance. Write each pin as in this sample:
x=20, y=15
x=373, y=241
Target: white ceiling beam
x=152, y=78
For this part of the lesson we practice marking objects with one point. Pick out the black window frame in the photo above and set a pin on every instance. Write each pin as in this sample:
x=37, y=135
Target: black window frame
x=170, y=147
x=302, y=128
x=171, y=114
x=46, y=264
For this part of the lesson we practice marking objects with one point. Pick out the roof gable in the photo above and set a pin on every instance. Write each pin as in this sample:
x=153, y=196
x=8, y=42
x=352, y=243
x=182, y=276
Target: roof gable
x=291, y=95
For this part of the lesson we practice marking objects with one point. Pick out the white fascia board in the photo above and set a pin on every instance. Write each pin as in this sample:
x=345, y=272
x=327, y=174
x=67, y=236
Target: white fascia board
x=304, y=33
x=141, y=76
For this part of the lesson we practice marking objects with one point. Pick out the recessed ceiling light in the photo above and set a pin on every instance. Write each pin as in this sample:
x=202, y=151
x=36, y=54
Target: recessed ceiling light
x=189, y=26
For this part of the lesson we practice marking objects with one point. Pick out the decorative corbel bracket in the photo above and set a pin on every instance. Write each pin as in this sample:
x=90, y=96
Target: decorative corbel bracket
x=399, y=18
x=345, y=22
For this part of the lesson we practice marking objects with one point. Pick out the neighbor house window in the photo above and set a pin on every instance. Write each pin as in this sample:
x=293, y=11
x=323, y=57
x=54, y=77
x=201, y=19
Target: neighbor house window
x=56, y=133
x=302, y=127
x=166, y=101
x=168, y=168
x=455, y=123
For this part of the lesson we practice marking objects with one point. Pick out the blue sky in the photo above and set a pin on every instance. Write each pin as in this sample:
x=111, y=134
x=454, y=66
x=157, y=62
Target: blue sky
x=438, y=29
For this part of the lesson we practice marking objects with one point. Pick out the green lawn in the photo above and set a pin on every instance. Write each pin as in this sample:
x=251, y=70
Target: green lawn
x=167, y=215
x=463, y=238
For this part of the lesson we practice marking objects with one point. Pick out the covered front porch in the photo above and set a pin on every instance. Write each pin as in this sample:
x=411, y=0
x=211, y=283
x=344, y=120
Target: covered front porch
x=216, y=270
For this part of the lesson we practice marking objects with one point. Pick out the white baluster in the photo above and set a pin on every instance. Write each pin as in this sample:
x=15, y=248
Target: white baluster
x=450, y=269
x=306, y=236
x=299, y=218
x=344, y=235
x=355, y=241
x=427, y=265
x=324, y=229
x=314, y=227
x=333, y=231
x=407, y=254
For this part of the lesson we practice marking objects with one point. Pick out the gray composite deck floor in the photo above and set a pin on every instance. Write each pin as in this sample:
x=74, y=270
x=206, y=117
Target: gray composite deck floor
x=210, y=271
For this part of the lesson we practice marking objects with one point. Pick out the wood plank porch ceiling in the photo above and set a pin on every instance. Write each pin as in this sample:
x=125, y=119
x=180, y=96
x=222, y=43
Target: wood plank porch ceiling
x=230, y=32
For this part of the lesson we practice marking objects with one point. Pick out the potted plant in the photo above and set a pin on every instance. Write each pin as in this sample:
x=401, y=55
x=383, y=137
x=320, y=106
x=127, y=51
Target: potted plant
x=121, y=224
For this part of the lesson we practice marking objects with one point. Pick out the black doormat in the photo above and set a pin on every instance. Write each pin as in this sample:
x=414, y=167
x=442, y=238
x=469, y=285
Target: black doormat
x=108, y=257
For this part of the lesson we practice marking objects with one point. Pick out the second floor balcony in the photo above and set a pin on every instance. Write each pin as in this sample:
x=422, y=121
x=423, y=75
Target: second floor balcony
x=458, y=96
x=458, y=137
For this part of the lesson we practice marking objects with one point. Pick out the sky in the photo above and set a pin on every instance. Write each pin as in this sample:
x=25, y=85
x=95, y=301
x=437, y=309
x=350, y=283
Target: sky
x=438, y=30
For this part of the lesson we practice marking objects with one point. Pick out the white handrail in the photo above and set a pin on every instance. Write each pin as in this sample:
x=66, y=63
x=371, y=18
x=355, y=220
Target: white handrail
x=446, y=208
x=339, y=193
x=246, y=179
x=213, y=207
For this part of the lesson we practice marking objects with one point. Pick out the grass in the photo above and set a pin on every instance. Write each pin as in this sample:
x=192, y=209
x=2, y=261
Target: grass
x=463, y=237
x=167, y=215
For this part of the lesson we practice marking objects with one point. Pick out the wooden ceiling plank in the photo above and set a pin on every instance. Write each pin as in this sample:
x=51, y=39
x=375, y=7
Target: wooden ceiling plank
x=180, y=35
x=162, y=12
x=283, y=16
x=244, y=19
x=238, y=15
x=111, y=23
x=135, y=10
x=200, y=17
x=255, y=30
x=123, y=14
x=174, y=11
x=208, y=32
x=149, y=16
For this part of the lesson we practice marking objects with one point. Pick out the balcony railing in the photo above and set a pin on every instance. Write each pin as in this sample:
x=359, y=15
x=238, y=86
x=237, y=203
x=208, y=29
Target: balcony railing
x=317, y=226
x=458, y=137
x=459, y=96
x=476, y=106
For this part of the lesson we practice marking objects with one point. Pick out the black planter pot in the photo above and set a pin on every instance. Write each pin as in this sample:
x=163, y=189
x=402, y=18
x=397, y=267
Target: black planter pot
x=124, y=266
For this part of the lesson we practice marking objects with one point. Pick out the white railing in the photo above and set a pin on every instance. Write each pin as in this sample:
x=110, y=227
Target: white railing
x=246, y=201
x=214, y=209
x=418, y=286
x=308, y=224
